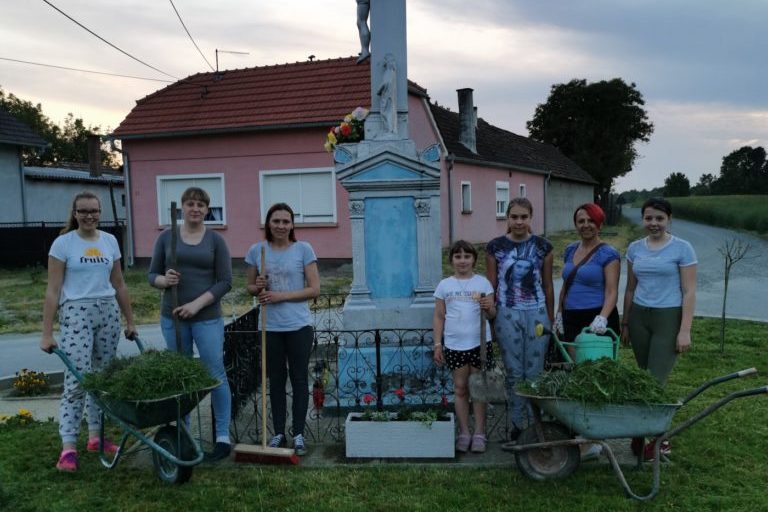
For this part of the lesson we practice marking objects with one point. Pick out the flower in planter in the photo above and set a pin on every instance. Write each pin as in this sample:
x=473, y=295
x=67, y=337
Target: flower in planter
x=351, y=129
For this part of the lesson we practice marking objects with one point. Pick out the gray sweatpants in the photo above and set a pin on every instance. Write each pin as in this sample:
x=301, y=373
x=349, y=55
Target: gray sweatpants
x=523, y=354
x=653, y=335
x=90, y=330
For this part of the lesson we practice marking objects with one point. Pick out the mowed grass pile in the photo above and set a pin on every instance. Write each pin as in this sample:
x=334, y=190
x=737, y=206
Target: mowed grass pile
x=601, y=381
x=718, y=464
x=150, y=375
x=746, y=212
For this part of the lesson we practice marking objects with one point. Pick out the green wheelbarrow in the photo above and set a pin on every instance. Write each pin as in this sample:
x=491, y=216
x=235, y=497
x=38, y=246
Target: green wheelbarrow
x=550, y=449
x=174, y=450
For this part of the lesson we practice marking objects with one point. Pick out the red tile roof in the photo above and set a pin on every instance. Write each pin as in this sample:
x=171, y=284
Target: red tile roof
x=307, y=93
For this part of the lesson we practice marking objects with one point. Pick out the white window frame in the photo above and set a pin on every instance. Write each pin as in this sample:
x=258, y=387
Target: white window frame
x=160, y=179
x=466, y=206
x=299, y=217
x=501, y=206
x=523, y=190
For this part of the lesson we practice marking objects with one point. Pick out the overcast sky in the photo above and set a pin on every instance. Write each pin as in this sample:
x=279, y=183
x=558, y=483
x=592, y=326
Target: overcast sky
x=700, y=64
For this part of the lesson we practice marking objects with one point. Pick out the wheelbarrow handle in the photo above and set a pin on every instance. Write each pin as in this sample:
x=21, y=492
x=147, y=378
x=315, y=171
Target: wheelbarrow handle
x=719, y=380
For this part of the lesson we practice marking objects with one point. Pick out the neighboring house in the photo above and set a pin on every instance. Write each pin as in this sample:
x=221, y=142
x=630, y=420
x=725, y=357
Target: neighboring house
x=14, y=136
x=255, y=136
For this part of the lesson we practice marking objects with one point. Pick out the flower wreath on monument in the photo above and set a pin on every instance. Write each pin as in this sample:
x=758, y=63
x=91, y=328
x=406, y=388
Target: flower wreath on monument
x=351, y=129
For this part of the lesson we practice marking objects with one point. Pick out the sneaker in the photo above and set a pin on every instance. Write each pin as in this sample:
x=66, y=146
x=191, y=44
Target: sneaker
x=277, y=441
x=462, y=443
x=478, y=443
x=109, y=447
x=299, y=446
x=592, y=452
x=67, y=461
x=666, y=447
x=220, y=451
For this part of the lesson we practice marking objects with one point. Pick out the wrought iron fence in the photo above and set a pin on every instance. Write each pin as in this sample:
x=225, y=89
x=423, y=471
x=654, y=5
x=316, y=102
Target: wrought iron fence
x=393, y=366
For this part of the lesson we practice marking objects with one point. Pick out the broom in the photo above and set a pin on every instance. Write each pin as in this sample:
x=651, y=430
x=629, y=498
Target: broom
x=264, y=454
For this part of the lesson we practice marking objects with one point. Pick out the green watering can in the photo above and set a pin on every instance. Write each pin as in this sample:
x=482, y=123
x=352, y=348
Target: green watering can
x=590, y=346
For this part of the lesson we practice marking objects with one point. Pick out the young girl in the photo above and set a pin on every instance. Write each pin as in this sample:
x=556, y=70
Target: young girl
x=519, y=266
x=458, y=301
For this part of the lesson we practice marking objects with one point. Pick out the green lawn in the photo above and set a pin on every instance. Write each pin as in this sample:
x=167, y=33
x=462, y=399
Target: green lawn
x=746, y=212
x=718, y=464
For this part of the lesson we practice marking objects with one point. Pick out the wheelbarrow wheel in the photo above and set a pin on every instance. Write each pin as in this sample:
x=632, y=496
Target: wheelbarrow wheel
x=547, y=463
x=168, y=439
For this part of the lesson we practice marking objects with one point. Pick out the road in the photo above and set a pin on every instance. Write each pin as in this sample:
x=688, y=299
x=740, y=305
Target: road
x=749, y=277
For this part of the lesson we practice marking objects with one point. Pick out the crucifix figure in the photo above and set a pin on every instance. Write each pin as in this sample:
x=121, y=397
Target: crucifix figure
x=363, y=8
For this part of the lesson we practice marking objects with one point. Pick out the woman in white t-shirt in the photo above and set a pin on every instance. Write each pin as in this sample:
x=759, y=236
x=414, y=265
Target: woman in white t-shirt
x=86, y=285
x=458, y=301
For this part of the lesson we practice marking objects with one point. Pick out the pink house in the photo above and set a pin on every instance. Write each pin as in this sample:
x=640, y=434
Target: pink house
x=253, y=137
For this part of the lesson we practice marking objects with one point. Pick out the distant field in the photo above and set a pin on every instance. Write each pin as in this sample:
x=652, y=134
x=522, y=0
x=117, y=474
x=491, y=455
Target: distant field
x=739, y=212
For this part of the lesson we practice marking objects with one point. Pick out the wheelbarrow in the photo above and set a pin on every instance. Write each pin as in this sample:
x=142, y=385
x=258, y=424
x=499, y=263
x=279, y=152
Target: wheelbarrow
x=548, y=449
x=174, y=450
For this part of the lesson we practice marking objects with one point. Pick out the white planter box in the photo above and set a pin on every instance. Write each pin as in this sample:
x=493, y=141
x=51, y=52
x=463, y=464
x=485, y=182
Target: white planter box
x=399, y=439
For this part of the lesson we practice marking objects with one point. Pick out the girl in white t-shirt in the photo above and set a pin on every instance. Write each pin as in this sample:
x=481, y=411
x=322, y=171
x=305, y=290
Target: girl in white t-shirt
x=456, y=324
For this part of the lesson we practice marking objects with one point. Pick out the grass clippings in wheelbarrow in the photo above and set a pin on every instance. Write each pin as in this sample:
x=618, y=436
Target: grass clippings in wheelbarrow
x=150, y=375
x=601, y=381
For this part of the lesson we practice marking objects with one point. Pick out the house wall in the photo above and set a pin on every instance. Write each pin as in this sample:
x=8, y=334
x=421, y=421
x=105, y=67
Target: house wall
x=482, y=224
x=51, y=201
x=562, y=199
x=239, y=157
x=10, y=184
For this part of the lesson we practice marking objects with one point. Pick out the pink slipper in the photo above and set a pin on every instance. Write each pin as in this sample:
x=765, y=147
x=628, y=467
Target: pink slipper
x=478, y=443
x=462, y=443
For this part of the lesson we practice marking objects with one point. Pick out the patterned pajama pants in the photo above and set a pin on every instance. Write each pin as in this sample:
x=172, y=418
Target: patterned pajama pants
x=523, y=354
x=90, y=330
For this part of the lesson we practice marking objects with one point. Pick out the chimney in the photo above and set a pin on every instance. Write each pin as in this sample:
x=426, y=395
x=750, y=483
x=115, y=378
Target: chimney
x=94, y=155
x=467, y=119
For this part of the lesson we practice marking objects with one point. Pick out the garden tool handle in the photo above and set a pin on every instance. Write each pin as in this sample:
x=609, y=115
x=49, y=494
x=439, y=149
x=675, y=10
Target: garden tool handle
x=719, y=380
x=483, y=348
x=175, y=288
x=263, y=357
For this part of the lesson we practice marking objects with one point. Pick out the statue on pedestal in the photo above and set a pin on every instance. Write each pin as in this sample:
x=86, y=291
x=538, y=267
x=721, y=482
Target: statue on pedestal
x=363, y=8
x=387, y=92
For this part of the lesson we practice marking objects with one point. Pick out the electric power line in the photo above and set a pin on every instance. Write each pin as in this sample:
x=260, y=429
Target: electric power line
x=110, y=44
x=85, y=70
x=190, y=35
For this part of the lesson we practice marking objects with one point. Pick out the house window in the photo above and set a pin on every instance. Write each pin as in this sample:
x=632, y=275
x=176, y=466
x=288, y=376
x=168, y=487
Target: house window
x=311, y=193
x=502, y=198
x=466, y=197
x=170, y=188
x=523, y=190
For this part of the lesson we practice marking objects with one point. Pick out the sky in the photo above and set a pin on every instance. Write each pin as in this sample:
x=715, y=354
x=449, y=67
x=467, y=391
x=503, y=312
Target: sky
x=699, y=64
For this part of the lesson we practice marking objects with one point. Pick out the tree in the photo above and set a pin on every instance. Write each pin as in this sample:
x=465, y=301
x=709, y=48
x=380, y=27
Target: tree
x=704, y=186
x=596, y=125
x=677, y=185
x=733, y=251
x=744, y=171
x=67, y=143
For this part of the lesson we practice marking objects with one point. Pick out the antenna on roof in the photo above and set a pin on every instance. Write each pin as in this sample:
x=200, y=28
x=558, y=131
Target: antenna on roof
x=226, y=51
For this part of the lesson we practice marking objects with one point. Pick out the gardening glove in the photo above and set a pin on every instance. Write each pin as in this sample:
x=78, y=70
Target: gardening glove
x=599, y=324
x=557, y=325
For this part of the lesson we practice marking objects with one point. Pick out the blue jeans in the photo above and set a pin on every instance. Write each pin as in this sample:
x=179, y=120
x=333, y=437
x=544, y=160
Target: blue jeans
x=523, y=354
x=208, y=336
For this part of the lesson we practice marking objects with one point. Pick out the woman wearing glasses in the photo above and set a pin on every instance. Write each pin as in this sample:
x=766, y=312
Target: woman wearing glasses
x=85, y=284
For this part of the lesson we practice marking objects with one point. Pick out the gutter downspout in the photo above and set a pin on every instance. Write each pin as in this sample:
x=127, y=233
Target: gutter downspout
x=23, y=187
x=546, y=193
x=449, y=159
x=129, y=250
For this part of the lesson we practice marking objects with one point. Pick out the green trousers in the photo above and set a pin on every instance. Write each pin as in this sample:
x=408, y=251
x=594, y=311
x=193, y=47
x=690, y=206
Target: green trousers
x=653, y=333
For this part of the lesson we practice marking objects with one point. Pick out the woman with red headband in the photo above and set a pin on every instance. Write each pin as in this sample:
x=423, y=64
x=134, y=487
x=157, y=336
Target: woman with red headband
x=590, y=279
